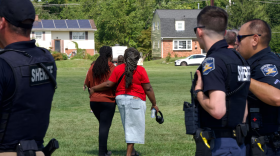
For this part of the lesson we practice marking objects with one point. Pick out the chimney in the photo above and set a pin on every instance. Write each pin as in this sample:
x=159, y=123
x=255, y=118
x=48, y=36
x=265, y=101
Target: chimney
x=36, y=17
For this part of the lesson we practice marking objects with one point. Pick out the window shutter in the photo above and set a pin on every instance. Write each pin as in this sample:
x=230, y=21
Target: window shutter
x=86, y=35
x=33, y=35
x=43, y=36
x=70, y=35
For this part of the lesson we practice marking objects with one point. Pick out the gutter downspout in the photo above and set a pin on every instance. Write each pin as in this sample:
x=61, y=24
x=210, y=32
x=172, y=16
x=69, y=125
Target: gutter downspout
x=161, y=47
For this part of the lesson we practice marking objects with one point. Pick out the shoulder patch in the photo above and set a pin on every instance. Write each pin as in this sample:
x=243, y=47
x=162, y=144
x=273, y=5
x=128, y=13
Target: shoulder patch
x=269, y=70
x=208, y=65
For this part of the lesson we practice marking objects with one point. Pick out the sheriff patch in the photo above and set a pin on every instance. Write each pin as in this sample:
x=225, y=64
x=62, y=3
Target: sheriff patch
x=208, y=65
x=244, y=73
x=39, y=76
x=269, y=70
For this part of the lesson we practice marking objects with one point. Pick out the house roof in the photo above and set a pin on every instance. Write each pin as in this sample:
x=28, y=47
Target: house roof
x=64, y=25
x=186, y=13
x=167, y=23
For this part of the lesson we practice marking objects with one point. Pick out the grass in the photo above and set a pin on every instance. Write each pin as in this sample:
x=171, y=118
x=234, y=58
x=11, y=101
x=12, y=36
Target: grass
x=77, y=130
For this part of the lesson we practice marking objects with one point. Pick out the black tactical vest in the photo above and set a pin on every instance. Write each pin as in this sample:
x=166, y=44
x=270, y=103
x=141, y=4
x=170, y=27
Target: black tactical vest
x=262, y=116
x=27, y=117
x=237, y=87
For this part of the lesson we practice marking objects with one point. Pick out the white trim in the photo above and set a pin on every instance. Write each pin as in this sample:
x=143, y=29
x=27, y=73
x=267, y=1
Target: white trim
x=78, y=24
x=161, y=49
x=53, y=23
x=65, y=23
x=202, y=52
x=178, y=40
x=177, y=23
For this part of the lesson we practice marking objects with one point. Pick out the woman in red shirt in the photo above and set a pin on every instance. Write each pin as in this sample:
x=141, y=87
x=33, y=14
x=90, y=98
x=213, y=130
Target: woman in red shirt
x=102, y=103
x=131, y=97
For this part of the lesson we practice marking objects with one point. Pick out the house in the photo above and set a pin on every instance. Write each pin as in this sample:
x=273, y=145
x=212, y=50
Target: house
x=172, y=32
x=58, y=35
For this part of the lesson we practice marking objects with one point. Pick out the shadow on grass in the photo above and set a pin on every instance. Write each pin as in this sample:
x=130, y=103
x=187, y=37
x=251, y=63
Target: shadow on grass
x=114, y=152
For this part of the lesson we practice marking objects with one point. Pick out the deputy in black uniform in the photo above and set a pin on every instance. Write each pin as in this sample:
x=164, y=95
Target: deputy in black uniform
x=221, y=89
x=264, y=97
x=27, y=82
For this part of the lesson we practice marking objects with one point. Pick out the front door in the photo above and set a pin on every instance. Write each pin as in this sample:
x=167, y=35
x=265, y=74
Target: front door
x=57, y=45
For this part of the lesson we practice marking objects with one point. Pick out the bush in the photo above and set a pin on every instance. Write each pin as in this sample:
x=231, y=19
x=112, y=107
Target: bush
x=176, y=55
x=168, y=57
x=94, y=57
x=57, y=56
x=64, y=56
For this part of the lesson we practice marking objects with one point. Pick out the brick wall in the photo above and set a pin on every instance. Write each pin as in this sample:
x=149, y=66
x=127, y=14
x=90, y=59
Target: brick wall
x=168, y=48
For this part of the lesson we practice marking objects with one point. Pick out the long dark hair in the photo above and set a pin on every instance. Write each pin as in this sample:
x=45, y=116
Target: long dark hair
x=131, y=57
x=101, y=68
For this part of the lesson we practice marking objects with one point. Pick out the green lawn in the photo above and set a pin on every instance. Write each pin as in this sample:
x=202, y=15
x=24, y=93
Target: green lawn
x=77, y=130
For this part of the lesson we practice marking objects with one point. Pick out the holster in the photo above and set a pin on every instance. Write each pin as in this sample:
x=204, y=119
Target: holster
x=191, y=118
x=27, y=148
x=258, y=145
x=51, y=147
x=241, y=133
x=205, y=141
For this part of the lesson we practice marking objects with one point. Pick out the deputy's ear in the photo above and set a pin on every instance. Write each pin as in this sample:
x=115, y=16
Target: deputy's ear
x=199, y=32
x=256, y=40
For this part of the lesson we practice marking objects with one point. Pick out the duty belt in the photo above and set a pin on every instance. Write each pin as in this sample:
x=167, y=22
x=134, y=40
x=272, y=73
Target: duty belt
x=224, y=133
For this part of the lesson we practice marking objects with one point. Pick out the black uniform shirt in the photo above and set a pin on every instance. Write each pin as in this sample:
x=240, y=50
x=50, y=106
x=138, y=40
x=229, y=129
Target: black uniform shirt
x=214, y=71
x=264, y=68
x=7, y=80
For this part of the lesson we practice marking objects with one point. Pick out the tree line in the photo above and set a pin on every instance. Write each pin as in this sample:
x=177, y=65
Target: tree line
x=128, y=22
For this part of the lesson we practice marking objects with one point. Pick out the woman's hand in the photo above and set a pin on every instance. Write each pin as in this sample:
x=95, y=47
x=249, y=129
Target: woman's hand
x=91, y=91
x=84, y=87
x=155, y=107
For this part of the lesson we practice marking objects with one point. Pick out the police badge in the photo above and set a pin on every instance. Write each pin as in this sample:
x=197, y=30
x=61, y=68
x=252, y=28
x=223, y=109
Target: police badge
x=269, y=70
x=208, y=65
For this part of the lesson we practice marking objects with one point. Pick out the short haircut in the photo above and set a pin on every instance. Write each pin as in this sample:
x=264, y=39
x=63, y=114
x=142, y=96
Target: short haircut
x=213, y=18
x=20, y=31
x=258, y=26
x=230, y=37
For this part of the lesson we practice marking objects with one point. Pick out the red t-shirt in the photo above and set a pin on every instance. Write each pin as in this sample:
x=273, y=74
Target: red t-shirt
x=139, y=76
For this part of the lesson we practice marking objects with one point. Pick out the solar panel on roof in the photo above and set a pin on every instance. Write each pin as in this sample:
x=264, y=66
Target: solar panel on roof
x=60, y=23
x=37, y=24
x=84, y=24
x=72, y=24
x=48, y=24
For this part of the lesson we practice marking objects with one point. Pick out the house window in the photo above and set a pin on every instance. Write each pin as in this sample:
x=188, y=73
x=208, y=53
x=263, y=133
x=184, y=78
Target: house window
x=180, y=25
x=154, y=27
x=157, y=25
x=153, y=44
x=182, y=44
x=38, y=35
x=78, y=35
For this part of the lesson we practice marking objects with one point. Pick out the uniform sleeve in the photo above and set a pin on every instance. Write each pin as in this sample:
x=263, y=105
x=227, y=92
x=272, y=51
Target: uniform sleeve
x=144, y=76
x=113, y=76
x=267, y=73
x=7, y=81
x=214, y=74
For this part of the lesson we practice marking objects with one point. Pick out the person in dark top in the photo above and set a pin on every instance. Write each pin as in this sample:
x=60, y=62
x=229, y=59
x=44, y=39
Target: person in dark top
x=102, y=103
x=264, y=96
x=222, y=107
x=27, y=81
x=120, y=60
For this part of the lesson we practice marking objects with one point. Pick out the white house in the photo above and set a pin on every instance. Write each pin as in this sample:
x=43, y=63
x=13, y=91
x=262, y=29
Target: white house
x=59, y=35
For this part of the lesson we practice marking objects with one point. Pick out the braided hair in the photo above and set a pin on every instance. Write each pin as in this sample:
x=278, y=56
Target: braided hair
x=101, y=68
x=131, y=57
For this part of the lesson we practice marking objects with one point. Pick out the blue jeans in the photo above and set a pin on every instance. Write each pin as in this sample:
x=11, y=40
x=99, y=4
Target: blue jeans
x=132, y=110
x=228, y=147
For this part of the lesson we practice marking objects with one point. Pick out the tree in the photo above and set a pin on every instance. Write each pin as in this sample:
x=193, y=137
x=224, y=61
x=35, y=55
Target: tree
x=240, y=11
x=144, y=43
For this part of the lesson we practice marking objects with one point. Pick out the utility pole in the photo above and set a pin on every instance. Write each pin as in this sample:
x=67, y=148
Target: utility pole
x=212, y=2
